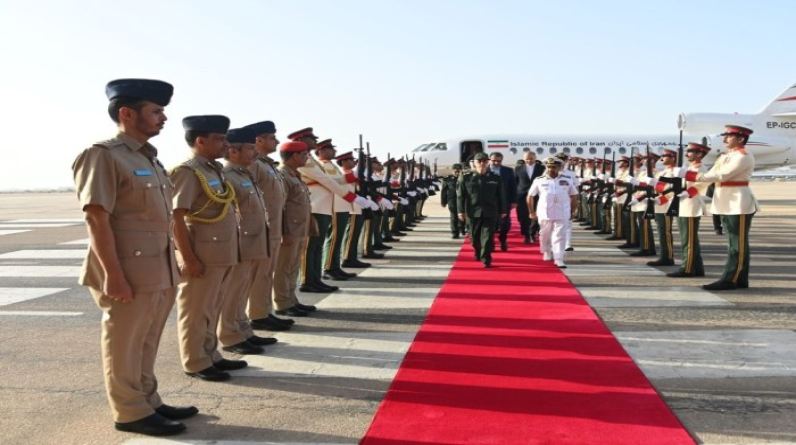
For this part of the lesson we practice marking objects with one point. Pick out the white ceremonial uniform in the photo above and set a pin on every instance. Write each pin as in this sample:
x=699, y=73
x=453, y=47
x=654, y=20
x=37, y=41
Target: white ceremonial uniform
x=553, y=211
x=575, y=182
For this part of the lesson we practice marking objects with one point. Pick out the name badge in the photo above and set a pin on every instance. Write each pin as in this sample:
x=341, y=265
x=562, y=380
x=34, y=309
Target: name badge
x=246, y=184
x=214, y=182
x=143, y=172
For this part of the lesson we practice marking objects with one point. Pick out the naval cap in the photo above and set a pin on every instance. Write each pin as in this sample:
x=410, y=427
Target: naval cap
x=241, y=136
x=155, y=91
x=736, y=129
x=293, y=147
x=553, y=161
x=263, y=127
x=212, y=123
x=562, y=156
x=303, y=133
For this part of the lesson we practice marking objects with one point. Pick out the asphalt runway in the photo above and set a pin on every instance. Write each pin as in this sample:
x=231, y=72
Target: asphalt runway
x=725, y=362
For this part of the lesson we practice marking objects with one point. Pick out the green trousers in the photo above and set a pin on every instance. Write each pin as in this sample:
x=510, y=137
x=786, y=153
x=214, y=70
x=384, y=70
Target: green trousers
x=736, y=270
x=351, y=236
x=482, y=237
x=457, y=225
x=313, y=252
x=333, y=244
x=664, y=224
x=619, y=221
x=690, y=251
x=646, y=237
x=631, y=227
x=371, y=232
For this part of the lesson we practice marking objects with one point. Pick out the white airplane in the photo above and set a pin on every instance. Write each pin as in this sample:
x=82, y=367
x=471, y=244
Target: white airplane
x=772, y=142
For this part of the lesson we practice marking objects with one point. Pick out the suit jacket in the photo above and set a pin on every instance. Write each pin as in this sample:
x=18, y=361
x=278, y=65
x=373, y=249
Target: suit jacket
x=509, y=184
x=524, y=181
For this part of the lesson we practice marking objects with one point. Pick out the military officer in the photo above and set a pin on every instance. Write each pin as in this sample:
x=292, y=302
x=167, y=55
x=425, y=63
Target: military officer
x=234, y=329
x=573, y=178
x=373, y=231
x=130, y=268
x=352, y=222
x=620, y=197
x=299, y=224
x=640, y=205
x=662, y=203
x=557, y=197
x=206, y=234
x=480, y=198
x=448, y=198
x=734, y=201
x=692, y=207
x=269, y=181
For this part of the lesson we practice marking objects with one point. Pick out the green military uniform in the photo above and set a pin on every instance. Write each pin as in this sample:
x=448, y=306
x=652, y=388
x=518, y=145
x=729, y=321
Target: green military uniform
x=448, y=198
x=481, y=198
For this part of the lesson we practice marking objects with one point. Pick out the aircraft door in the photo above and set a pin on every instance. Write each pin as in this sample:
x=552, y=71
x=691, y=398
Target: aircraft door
x=469, y=148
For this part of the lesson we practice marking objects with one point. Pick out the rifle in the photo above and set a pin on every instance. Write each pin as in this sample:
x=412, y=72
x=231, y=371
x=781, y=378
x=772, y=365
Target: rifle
x=387, y=184
x=609, y=186
x=629, y=188
x=677, y=183
x=370, y=183
x=650, y=191
x=430, y=178
x=363, y=181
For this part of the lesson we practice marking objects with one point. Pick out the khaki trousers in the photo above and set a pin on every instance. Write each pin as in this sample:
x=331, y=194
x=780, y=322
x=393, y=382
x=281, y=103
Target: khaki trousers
x=130, y=339
x=199, y=302
x=236, y=292
x=288, y=264
x=260, y=302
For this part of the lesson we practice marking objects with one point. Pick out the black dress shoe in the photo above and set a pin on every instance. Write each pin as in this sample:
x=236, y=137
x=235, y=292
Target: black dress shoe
x=389, y=239
x=569, y=249
x=177, y=412
x=293, y=311
x=261, y=341
x=287, y=321
x=373, y=256
x=384, y=246
x=398, y=234
x=211, y=374
x=306, y=307
x=602, y=232
x=355, y=264
x=527, y=239
x=327, y=287
x=152, y=425
x=719, y=232
x=743, y=285
x=455, y=236
x=613, y=238
x=334, y=275
x=266, y=324
x=720, y=285
x=230, y=365
x=311, y=288
x=504, y=246
x=244, y=348
x=680, y=274
x=643, y=253
x=345, y=274
x=487, y=265
x=661, y=262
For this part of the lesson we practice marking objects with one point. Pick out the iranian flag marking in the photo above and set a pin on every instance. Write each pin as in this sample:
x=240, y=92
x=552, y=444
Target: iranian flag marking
x=497, y=144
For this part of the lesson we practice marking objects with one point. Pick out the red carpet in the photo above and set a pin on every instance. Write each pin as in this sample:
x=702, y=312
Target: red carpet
x=514, y=355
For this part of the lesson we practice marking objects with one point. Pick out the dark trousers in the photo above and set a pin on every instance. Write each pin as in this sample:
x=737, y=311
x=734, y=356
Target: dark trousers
x=736, y=270
x=482, y=237
x=523, y=217
x=457, y=225
x=503, y=225
x=690, y=250
x=313, y=252
x=351, y=237
x=664, y=224
x=646, y=236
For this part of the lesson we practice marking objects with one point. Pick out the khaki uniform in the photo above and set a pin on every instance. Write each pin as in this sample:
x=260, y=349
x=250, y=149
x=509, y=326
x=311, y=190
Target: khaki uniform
x=270, y=181
x=297, y=226
x=234, y=326
x=213, y=229
x=124, y=177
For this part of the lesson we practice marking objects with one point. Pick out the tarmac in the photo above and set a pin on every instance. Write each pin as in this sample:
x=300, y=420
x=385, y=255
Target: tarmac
x=725, y=362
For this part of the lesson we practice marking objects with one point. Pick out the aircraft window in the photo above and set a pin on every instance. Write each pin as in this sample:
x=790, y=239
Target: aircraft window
x=579, y=150
x=553, y=150
x=608, y=150
x=539, y=150
x=592, y=150
x=440, y=147
x=622, y=150
x=528, y=149
x=566, y=150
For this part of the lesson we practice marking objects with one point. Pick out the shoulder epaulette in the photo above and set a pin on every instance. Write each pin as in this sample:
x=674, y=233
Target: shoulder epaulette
x=109, y=143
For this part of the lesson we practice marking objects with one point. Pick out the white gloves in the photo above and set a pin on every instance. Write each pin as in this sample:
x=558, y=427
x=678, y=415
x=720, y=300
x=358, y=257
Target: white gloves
x=611, y=180
x=652, y=181
x=633, y=201
x=684, y=195
x=362, y=202
x=680, y=171
x=633, y=180
x=387, y=204
x=372, y=204
x=403, y=201
x=411, y=193
x=657, y=200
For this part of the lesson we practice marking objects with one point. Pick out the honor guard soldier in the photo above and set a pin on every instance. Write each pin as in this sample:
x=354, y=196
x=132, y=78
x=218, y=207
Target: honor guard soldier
x=639, y=207
x=323, y=188
x=620, y=197
x=299, y=225
x=448, y=198
x=269, y=181
x=734, y=201
x=692, y=207
x=206, y=234
x=662, y=220
x=351, y=223
x=341, y=211
x=234, y=329
x=373, y=230
x=480, y=197
x=557, y=199
x=130, y=268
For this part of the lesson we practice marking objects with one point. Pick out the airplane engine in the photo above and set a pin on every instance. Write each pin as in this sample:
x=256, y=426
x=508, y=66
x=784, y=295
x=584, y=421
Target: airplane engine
x=701, y=123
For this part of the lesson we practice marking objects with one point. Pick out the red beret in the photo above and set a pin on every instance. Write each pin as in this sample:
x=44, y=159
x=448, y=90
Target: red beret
x=293, y=147
x=303, y=133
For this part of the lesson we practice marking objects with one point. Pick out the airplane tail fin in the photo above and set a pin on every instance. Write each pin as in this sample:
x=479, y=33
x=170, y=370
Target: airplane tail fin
x=783, y=105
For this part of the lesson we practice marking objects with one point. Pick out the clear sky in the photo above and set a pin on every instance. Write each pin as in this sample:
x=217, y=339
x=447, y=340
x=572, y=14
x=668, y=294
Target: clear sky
x=398, y=72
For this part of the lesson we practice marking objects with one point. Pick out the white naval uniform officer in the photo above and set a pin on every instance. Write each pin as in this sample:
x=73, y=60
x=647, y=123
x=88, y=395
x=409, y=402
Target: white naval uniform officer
x=557, y=197
x=567, y=173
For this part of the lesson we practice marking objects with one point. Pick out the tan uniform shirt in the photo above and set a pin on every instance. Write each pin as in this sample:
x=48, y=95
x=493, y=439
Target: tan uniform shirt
x=735, y=166
x=216, y=243
x=125, y=178
x=323, y=187
x=269, y=180
x=622, y=174
x=253, y=213
x=298, y=208
x=695, y=205
x=666, y=173
x=351, y=187
x=641, y=206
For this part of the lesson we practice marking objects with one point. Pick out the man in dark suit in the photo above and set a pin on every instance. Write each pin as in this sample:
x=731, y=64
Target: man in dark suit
x=525, y=175
x=510, y=189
